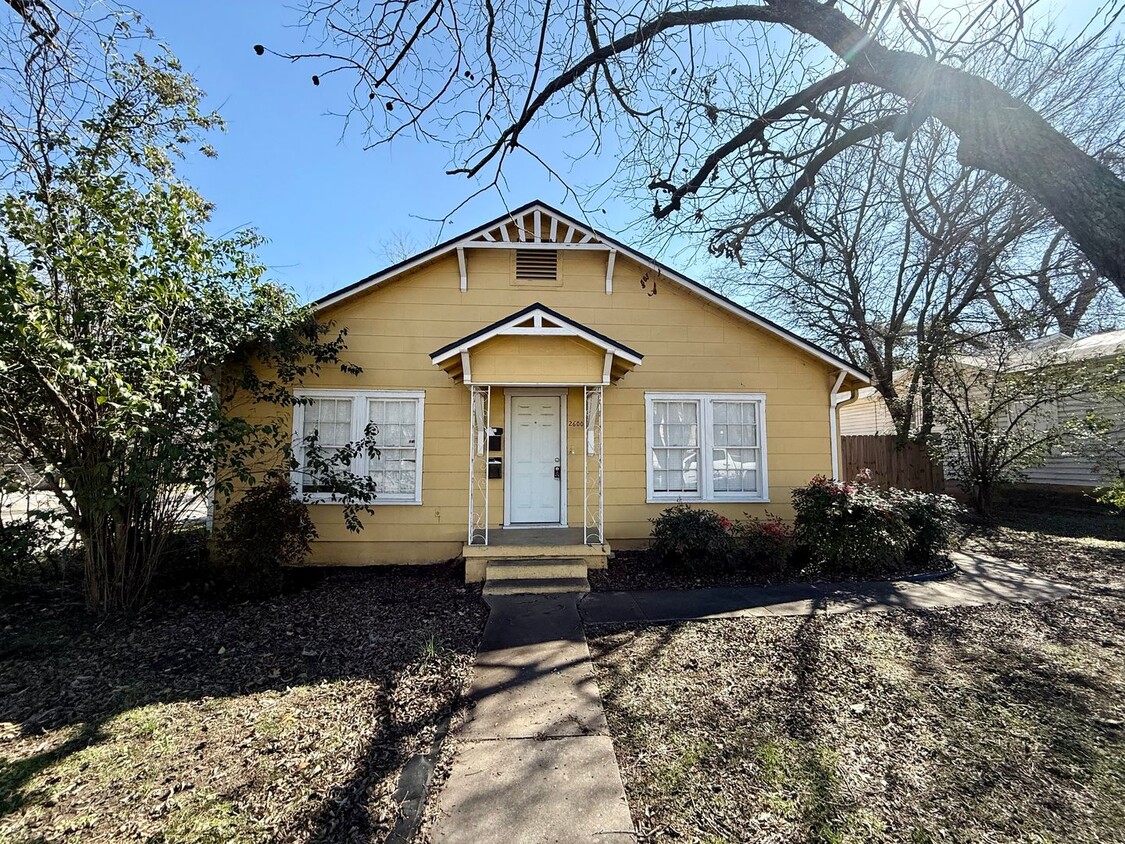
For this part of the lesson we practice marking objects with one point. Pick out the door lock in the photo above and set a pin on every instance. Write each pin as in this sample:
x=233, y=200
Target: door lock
x=558, y=473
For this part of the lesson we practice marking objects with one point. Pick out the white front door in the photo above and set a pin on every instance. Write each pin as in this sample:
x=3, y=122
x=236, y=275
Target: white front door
x=535, y=463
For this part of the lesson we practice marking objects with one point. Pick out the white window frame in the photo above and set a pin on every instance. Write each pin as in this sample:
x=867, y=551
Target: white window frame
x=360, y=417
x=706, y=491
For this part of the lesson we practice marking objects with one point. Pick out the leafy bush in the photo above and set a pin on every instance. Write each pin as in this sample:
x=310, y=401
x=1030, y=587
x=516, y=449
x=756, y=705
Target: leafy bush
x=20, y=546
x=849, y=529
x=855, y=529
x=1113, y=495
x=932, y=520
x=764, y=546
x=687, y=538
x=29, y=549
x=264, y=532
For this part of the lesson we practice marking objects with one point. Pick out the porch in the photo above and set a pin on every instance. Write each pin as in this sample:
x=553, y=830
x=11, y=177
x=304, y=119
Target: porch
x=545, y=559
x=536, y=386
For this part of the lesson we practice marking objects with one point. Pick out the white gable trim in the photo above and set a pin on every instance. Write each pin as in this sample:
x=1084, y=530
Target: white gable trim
x=544, y=324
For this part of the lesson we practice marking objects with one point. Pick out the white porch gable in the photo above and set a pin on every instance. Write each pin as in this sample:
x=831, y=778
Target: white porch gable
x=537, y=321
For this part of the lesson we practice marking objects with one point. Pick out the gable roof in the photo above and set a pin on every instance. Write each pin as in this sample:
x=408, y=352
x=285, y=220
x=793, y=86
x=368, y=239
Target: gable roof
x=537, y=312
x=578, y=235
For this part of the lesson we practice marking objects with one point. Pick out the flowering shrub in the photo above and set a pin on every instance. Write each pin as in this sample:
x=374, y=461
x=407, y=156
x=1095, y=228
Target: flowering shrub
x=764, y=545
x=684, y=537
x=689, y=538
x=856, y=529
x=849, y=528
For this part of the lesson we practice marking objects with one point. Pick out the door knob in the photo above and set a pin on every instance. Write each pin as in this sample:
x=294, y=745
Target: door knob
x=558, y=473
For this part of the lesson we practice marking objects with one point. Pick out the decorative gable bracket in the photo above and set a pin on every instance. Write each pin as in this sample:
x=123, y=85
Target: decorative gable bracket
x=536, y=228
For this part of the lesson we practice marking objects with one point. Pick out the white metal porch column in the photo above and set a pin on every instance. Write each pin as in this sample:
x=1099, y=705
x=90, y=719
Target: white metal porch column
x=593, y=466
x=480, y=412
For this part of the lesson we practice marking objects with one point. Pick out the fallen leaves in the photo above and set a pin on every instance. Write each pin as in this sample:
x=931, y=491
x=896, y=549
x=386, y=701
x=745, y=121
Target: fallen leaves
x=997, y=723
x=281, y=719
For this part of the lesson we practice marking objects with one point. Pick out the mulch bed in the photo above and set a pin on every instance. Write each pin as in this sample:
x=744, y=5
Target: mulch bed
x=999, y=723
x=287, y=718
x=640, y=569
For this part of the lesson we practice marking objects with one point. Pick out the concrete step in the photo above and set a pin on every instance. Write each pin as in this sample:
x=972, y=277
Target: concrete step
x=508, y=550
x=521, y=568
x=538, y=586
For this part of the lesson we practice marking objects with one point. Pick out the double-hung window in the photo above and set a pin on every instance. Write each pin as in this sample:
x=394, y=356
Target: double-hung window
x=706, y=447
x=340, y=417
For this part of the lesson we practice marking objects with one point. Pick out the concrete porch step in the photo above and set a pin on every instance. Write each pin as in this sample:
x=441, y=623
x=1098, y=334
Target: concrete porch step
x=536, y=586
x=535, y=568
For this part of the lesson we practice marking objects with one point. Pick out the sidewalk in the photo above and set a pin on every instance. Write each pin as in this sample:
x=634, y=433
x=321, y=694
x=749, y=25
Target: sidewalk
x=981, y=580
x=534, y=761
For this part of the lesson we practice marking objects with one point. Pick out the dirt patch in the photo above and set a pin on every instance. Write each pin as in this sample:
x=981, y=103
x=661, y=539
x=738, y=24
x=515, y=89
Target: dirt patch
x=641, y=569
x=282, y=719
x=1000, y=723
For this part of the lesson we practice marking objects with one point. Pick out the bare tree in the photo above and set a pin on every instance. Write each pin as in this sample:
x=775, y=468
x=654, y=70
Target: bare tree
x=1003, y=409
x=767, y=91
x=903, y=250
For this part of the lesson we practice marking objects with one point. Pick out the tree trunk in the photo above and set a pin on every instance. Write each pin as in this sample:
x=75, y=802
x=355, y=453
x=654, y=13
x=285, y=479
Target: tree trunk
x=997, y=132
x=982, y=499
x=120, y=558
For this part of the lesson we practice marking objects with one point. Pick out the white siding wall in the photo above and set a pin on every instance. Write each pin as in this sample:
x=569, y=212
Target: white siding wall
x=868, y=416
x=865, y=417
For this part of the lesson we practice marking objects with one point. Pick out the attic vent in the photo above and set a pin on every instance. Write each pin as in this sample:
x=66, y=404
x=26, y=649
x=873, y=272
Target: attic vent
x=537, y=264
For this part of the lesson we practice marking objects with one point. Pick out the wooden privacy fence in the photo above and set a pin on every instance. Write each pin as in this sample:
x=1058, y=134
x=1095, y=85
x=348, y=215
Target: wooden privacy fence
x=910, y=467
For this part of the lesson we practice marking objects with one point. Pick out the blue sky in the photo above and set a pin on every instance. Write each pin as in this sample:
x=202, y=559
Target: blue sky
x=327, y=205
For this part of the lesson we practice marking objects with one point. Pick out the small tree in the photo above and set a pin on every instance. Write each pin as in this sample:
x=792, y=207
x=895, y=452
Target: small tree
x=1002, y=406
x=125, y=328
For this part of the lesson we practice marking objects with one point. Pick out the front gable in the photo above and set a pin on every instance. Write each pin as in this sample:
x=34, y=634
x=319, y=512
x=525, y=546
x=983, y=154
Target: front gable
x=538, y=252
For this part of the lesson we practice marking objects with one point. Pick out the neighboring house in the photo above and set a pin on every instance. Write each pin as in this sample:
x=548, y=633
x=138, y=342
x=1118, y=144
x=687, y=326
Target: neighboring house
x=868, y=415
x=536, y=374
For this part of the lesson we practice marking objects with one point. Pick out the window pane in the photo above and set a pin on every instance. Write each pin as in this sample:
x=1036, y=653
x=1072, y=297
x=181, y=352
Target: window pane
x=735, y=454
x=675, y=452
x=330, y=420
x=395, y=468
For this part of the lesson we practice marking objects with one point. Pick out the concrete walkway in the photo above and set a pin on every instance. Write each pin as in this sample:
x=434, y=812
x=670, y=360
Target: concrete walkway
x=981, y=580
x=533, y=760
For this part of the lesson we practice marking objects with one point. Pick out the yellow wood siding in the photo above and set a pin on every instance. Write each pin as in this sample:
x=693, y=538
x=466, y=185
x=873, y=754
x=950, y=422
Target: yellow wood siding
x=523, y=359
x=687, y=343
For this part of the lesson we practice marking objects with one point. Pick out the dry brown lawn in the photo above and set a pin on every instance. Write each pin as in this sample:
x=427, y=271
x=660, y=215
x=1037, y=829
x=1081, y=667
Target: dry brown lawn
x=274, y=720
x=986, y=724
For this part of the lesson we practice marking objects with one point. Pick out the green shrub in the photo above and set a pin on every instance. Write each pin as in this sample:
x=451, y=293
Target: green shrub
x=1113, y=495
x=858, y=530
x=764, y=546
x=20, y=546
x=932, y=520
x=29, y=549
x=849, y=529
x=264, y=532
x=688, y=538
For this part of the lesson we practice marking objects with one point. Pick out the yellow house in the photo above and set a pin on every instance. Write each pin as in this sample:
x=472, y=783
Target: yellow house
x=542, y=390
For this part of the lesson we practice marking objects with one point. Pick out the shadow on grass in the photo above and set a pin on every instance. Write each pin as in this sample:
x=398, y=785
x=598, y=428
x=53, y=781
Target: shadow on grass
x=1073, y=515
x=1001, y=722
x=63, y=669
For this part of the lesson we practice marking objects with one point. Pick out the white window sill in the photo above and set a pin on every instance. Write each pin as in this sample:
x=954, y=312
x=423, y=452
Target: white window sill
x=682, y=500
x=383, y=502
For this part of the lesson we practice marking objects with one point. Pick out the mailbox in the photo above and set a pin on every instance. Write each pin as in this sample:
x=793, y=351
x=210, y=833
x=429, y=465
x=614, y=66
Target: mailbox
x=495, y=440
x=495, y=467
